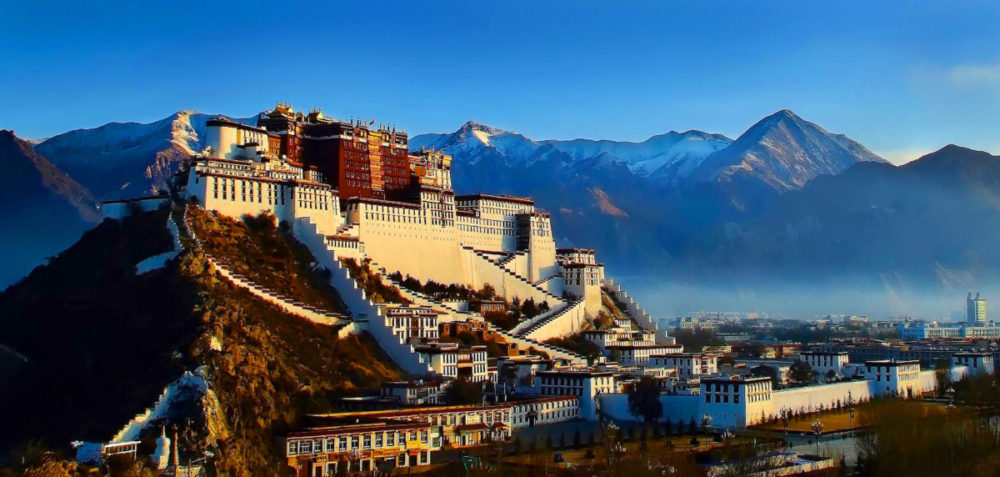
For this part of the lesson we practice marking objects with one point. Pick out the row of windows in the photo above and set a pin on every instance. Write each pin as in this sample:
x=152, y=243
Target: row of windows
x=274, y=193
x=377, y=440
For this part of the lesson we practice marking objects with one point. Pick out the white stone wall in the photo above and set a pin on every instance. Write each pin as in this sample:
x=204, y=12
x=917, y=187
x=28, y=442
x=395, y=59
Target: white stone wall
x=678, y=408
x=809, y=398
x=361, y=308
x=225, y=140
x=567, y=320
x=237, y=196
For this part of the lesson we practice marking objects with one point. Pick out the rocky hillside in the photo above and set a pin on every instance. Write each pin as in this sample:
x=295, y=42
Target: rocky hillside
x=33, y=191
x=99, y=343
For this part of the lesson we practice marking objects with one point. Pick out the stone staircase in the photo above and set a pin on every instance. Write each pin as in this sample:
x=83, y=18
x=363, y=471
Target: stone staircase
x=524, y=325
x=293, y=307
x=347, y=229
x=288, y=305
x=422, y=299
x=533, y=329
x=547, y=279
x=539, y=293
x=553, y=351
x=510, y=258
x=362, y=309
x=636, y=312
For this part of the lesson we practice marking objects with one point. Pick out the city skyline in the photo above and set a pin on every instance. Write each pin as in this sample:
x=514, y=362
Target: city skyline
x=903, y=82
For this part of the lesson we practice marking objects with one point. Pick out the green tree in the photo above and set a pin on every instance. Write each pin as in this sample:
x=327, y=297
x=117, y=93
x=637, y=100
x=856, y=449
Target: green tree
x=644, y=399
x=801, y=372
x=465, y=392
x=765, y=371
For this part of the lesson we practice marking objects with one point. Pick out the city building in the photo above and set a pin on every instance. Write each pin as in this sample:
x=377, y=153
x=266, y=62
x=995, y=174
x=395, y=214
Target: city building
x=975, y=310
x=413, y=392
x=978, y=362
x=584, y=384
x=823, y=362
x=362, y=447
x=688, y=365
x=413, y=322
x=471, y=364
x=894, y=378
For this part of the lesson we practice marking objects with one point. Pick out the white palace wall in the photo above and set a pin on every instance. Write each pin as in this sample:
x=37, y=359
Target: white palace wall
x=399, y=237
x=235, y=196
x=809, y=398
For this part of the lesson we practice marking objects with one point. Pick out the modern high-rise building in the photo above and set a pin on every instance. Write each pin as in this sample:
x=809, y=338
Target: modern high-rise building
x=975, y=309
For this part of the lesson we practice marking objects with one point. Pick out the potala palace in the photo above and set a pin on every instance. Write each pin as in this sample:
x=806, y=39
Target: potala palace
x=355, y=195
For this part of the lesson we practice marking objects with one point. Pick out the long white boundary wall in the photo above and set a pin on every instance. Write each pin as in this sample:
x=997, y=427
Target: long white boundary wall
x=802, y=400
x=188, y=382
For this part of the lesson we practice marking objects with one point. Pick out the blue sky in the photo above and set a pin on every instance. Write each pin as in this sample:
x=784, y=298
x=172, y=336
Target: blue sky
x=902, y=81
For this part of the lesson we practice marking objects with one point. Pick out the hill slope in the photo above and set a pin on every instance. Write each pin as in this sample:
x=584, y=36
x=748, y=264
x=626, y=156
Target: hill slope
x=34, y=191
x=101, y=343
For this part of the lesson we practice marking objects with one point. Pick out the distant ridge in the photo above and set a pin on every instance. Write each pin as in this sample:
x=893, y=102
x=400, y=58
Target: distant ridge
x=44, y=211
x=785, y=152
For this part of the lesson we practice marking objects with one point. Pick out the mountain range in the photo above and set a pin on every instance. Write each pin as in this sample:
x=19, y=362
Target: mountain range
x=781, y=200
x=645, y=204
x=34, y=192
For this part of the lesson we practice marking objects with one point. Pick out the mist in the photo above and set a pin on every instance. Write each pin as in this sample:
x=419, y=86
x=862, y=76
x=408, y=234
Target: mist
x=665, y=298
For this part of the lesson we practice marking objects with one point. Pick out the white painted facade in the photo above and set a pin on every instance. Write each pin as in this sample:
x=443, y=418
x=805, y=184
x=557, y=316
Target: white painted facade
x=585, y=384
x=825, y=361
x=977, y=362
x=641, y=355
x=688, y=365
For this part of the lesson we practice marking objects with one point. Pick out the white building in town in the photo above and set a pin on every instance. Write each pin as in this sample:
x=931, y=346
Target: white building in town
x=921, y=330
x=585, y=384
x=413, y=392
x=412, y=322
x=978, y=362
x=688, y=365
x=823, y=362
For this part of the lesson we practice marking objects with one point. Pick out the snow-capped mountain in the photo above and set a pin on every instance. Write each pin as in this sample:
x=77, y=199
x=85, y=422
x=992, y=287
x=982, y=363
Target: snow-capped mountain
x=120, y=160
x=666, y=157
x=785, y=152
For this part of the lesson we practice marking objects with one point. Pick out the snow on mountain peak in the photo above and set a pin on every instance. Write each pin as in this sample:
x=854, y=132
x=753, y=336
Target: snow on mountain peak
x=666, y=155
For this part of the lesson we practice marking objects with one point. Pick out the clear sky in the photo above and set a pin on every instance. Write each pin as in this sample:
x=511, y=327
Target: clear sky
x=901, y=80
